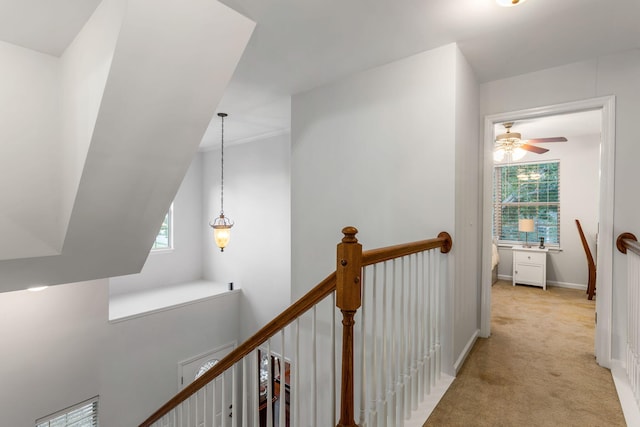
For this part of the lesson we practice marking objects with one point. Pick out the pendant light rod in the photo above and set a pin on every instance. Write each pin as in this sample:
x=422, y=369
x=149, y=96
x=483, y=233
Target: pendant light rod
x=222, y=116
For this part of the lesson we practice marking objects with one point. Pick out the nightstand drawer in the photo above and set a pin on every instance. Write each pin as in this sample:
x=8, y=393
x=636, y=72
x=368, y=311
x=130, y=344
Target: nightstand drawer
x=529, y=257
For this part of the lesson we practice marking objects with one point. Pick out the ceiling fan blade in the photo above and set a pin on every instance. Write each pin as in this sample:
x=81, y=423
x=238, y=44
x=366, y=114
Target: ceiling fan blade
x=553, y=139
x=533, y=148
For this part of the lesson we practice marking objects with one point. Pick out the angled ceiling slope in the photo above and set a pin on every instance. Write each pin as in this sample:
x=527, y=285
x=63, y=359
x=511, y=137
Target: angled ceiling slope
x=126, y=124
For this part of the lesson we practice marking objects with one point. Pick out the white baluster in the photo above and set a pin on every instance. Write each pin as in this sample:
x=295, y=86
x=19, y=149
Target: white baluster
x=407, y=333
x=393, y=345
x=245, y=392
x=401, y=358
x=283, y=381
x=296, y=381
x=413, y=261
x=432, y=323
x=363, y=355
x=204, y=405
x=420, y=343
x=373, y=414
x=437, y=317
x=333, y=358
x=214, y=402
x=189, y=411
x=223, y=400
x=425, y=322
x=255, y=390
x=234, y=395
x=269, y=386
x=314, y=377
x=385, y=344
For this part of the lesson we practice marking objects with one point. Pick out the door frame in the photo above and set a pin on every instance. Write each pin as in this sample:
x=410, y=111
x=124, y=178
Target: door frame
x=225, y=349
x=604, y=281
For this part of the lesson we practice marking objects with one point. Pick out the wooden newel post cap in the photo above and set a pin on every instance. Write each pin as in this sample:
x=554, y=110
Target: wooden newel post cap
x=349, y=235
x=348, y=270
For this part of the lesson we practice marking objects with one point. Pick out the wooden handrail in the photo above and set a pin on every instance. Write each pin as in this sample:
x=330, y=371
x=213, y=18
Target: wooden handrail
x=348, y=286
x=374, y=256
x=294, y=311
x=628, y=241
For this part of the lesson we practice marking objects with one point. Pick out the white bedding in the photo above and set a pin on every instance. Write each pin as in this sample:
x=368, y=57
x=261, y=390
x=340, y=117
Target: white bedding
x=495, y=257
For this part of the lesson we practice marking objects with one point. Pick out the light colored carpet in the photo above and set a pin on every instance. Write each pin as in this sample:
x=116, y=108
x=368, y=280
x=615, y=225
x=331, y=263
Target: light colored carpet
x=537, y=368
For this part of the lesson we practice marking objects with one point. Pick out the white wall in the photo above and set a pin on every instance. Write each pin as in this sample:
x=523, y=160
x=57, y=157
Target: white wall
x=579, y=199
x=619, y=75
x=58, y=349
x=257, y=198
x=84, y=69
x=466, y=253
x=184, y=262
x=391, y=151
x=371, y=151
x=30, y=158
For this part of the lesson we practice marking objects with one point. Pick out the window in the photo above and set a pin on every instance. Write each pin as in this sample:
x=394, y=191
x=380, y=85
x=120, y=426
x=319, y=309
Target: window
x=164, y=239
x=527, y=190
x=84, y=414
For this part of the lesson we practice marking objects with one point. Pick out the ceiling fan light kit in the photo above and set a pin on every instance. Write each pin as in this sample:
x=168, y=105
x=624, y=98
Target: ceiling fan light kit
x=511, y=146
x=509, y=3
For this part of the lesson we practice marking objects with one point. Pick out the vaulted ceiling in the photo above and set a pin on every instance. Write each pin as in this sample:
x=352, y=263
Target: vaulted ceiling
x=298, y=45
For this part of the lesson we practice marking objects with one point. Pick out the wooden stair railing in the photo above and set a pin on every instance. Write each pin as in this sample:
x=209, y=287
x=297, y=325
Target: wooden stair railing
x=347, y=282
x=628, y=244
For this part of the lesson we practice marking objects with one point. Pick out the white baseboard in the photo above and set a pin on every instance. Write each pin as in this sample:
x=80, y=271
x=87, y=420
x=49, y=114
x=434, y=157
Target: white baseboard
x=551, y=283
x=625, y=394
x=465, y=351
x=420, y=415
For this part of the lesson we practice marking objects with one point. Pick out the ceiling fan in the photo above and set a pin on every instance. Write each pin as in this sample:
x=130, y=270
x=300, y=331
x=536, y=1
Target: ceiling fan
x=511, y=145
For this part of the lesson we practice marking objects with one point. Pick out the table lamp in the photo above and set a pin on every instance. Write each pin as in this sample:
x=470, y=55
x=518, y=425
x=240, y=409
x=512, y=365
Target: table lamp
x=526, y=226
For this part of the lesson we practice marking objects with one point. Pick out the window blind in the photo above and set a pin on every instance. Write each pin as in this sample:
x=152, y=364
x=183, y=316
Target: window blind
x=84, y=414
x=527, y=190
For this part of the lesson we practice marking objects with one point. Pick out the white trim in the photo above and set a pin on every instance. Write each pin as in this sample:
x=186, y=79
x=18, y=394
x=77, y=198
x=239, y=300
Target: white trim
x=567, y=285
x=231, y=345
x=625, y=394
x=172, y=307
x=465, y=352
x=431, y=400
x=605, y=236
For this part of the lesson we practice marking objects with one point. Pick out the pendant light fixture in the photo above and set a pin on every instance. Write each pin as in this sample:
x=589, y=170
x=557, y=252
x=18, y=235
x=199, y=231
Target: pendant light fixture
x=221, y=225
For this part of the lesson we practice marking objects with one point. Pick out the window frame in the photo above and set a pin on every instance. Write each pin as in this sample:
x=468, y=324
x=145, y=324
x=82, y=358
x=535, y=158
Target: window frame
x=498, y=205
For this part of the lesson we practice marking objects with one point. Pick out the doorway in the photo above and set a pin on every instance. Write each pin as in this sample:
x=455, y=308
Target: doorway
x=605, y=212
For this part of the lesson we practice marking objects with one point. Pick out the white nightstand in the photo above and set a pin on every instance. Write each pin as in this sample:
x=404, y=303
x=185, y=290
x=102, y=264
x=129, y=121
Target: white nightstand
x=530, y=266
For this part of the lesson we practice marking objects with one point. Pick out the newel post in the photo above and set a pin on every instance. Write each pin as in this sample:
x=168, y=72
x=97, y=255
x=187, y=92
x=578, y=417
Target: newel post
x=348, y=300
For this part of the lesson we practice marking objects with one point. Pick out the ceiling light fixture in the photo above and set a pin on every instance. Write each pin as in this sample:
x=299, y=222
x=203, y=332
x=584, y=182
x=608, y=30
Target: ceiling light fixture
x=509, y=3
x=221, y=225
x=37, y=288
x=509, y=146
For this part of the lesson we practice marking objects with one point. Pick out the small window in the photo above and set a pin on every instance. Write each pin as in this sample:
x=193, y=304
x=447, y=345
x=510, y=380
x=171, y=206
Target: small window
x=164, y=239
x=527, y=190
x=84, y=414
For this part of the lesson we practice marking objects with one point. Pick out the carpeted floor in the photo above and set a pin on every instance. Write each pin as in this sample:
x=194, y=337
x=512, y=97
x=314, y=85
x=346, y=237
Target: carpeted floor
x=536, y=369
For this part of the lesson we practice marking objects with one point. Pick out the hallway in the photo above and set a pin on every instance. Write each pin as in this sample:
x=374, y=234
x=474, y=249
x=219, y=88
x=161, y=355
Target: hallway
x=536, y=369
